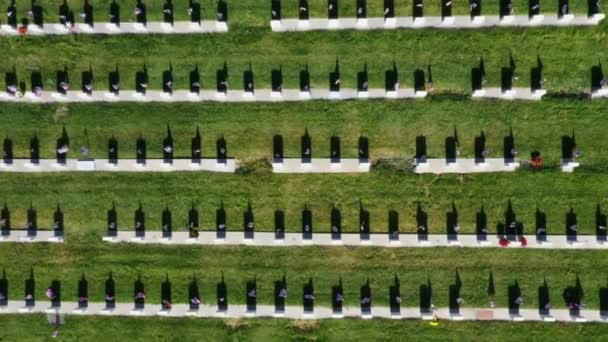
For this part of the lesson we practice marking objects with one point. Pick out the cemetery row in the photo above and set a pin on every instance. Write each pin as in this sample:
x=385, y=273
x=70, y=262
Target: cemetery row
x=359, y=20
x=194, y=304
x=305, y=163
x=509, y=232
x=16, y=89
x=33, y=21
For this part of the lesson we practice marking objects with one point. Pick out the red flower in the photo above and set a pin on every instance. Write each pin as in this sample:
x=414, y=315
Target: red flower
x=503, y=242
x=523, y=241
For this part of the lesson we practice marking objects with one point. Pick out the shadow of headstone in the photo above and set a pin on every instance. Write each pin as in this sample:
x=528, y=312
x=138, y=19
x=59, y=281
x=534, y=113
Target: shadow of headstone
x=481, y=224
x=248, y=222
x=536, y=75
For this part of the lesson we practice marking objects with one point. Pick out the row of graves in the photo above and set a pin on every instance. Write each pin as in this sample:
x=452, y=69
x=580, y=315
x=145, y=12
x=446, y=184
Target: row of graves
x=453, y=163
x=224, y=304
x=507, y=91
x=506, y=16
x=16, y=90
x=30, y=232
x=509, y=232
x=139, y=162
x=33, y=22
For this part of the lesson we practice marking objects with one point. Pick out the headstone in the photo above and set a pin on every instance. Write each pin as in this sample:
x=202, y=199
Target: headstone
x=220, y=222
x=475, y=8
x=306, y=142
x=222, y=150
x=336, y=224
x=571, y=225
x=64, y=12
x=222, y=296
x=280, y=295
x=541, y=225
x=5, y=220
x=275, y=10
x=455, y=299
x=308, y=297
x=11, y=81
x=452, y=146
x=276, y=79
x=573, y=296
x=168, y=147
x=533, y=8
x=168, y=12
x=366, y=299
x=422, y=224
x=165, y=294
x=167, y=223
x=420, y=81
x=87, y=81
x=446, y=9
x=391, y=79
x=593, y=7
x=279, y=224
x=3, y=289
x=334, y=78
x=113, y=151
x=544, y=299
x=222, y=11
x=452, y=226
x=194, y=10
x=140, y=13
x=393, y=225
x=62, y=147
x=194, y=296
x=37, y=84
x=512, y=226
x=248, y=81
x=361, y=9
x=54, y=293
x=30, y=290
x=32, y=221
x=568, y=148
x=395, y=297
x=509, y=151
x=114, y=13
x=110, y=292
x=481, y=224
x=389, y=9
x=421, y=149
x=139, y=294
x=364, y=222
x=563, y=8
x=305, y=80
x=363, y=149
x=195, y=81
x=597, y=77
x=251, y=296
x=334, y=153
x=222, y=79
x=426, y=297
x=196, y=147
x=140, y=221
x=417, y=9
x=481, y=152
x=58, y=222
x=11, y=15
x=601, y=222
x=114, y=82
x=478, y=75
x=87, y=13
x=303, y=10
x=37, y=14
x=141, y=80
x=193, y=222
x=362, y=81
x=7, y=151
x=35, y=150
x=112, y=222
x=515, y=298
x=83, y=292
x=332, y=9
x=140, y=151
x=506, y=8
x=248, y=222
x=277, y=148
x=307, y=223
x=167, y=85
x=337, y=298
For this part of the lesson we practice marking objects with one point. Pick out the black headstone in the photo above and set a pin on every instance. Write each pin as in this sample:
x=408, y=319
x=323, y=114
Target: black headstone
x=35, y=150
x=87, y=81
x=515, y=298
x=5, y=220
x=248, y=222
x=220, y=222
x=280, y=295
x=364, y=223
x=112, y=222
x=275, y=9
x=451, y=148
x=533, y=8
x=417, y=9
x=506, y=8
x=222, y=150
x=361, y=9
x=446, y=8
x=480, y=148
x=366, y=298
x=420, y=80
x=30, y=290
x=389, y=9
x=393, y=225
x=32, y=221
x=452, y=226
x=114, y=13
x=140, y=221
x=601, y=222
x=276, y=79
x=114, y=81
x=11, y=15
x=3, y=289
x=222, y=11
x=334, y=78
x=140, y=150
x=222, y=296
x=336, y=224
x=168, y=12
x=168, y=147
x=195, y=81
x=251, y=295
x=110, y=292
x=139, y=294
x=426, y=296
x=337, y=298
x=305, y=80
x=308, y=297
x=475, y=8
x=395, y=297
x=54, y=292
x=334, y=151
x=141, y=81
x=279, y=224
x=113, y=150
x=571, y=225
x=563, y=8
x=307, y=223
x=421, y=148
x=277, y=148
x=332, y=9
x=541, y=225
x=222, y=79
x=62, y=147
x=593, y=7
x=194, y=10
x=140, y=12
x=194, y=297
x=64, y=12
x=481, y=224
x=196, y=147
x=422, y=224
x=36, y=80
x=248, y=81
x=87, y=13
x=7, y=151
x=362, y=80
x=568, y=147
x=391, y=78
x=11, y=81
x=306, y=143
x=37, y=14
x=167, y=85
x=165, y=294
x=509, y=151
x=363, y=149
x=455, y=298
x=167, y=222
x=58, y=222
x=544, y=299
x=193, y=222
x=303, y=10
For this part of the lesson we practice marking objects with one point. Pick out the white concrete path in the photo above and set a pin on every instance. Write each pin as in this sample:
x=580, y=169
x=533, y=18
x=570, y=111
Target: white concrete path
x=22, y=236
x=465, y=165
x=155, y=27
x=513, y=94
x=350, y=239
x=455, y=22
x=122, y=165
x=297, y=312
x=262, y=95
x=320, y=165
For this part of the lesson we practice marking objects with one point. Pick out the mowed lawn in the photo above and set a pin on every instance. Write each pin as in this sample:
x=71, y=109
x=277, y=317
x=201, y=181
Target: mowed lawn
x=35, y=327
x=567, y=53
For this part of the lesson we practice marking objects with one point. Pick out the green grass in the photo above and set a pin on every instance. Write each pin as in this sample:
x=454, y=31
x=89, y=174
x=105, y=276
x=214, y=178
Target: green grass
x=86, y=254
x=35, y=328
